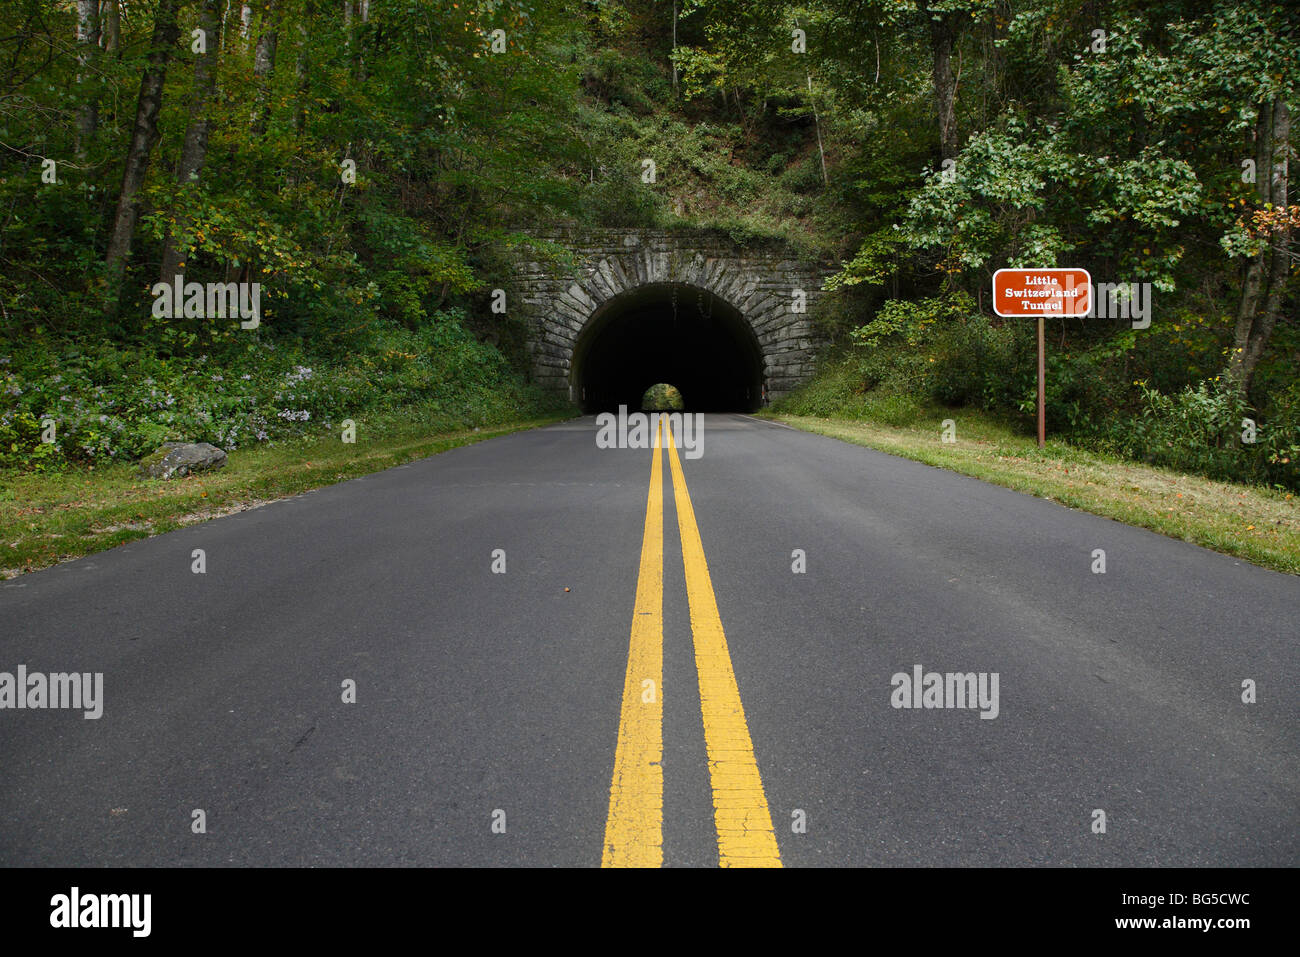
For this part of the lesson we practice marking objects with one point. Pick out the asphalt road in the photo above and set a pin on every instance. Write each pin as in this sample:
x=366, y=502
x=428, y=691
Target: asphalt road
x=490, y=708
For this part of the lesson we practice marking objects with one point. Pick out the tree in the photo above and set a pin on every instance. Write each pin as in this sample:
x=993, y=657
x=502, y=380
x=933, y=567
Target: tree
x=87, y=47
x=144, y=135
x=264, y=64
x=943, y=40
x=112, y=17
x=1269, y=269
x=195, y=148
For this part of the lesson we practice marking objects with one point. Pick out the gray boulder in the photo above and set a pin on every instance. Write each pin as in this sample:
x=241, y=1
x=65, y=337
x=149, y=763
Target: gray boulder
x=176, y=459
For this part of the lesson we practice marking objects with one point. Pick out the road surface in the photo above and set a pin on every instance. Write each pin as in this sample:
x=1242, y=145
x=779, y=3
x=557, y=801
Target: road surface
x=505, y=718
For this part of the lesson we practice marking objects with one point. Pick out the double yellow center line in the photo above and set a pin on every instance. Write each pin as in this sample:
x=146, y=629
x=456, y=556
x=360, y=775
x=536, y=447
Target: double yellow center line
x=634, y=828
x=634, y=834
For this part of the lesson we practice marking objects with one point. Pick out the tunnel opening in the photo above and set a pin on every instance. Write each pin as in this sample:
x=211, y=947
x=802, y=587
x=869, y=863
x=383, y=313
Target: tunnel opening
x=668, y=333
x=663, y=397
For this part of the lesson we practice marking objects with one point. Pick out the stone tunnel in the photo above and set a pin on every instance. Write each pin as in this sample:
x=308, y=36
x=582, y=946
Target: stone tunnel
x=620, y=310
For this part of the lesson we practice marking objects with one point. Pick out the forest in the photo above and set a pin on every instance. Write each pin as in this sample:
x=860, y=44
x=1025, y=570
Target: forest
x=363, y=167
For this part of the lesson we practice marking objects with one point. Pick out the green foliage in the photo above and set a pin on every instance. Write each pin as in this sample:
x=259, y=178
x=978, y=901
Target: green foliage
x=942, y=349
x=875, y=261
x=914, y=354
x=450, y=142
x=838, y=391
x=1200, y=430
x=662, y=397
x=705, y=177
x=1125, y=161
x=112, y=402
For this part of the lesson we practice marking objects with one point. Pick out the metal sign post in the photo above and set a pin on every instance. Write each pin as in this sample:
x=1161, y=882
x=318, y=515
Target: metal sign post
x=1042, y=384
x=1041, y=293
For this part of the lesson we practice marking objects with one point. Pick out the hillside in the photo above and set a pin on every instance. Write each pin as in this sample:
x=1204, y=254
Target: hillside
x=366, y=168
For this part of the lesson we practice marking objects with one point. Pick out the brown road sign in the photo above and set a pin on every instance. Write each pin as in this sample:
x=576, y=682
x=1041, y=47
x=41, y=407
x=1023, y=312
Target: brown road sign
x=1020, y=293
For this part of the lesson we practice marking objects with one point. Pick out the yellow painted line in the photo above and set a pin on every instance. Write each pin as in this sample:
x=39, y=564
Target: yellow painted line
x=744, y=823
x=634, y=833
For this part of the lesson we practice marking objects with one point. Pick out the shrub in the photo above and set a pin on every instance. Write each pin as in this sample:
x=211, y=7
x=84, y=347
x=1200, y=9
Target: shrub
x=113, y=402
x=943, y=349
x=1201, y=429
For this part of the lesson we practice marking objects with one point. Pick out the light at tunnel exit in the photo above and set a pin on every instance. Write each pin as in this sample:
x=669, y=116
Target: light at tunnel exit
x=662, y=397
x=668, y=333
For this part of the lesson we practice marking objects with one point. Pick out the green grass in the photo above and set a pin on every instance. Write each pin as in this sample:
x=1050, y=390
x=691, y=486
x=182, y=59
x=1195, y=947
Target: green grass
x=1260, y=525
x=46, y=518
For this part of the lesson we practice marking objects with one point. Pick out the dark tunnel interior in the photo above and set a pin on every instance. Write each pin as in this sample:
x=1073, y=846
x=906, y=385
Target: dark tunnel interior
x=672, y=333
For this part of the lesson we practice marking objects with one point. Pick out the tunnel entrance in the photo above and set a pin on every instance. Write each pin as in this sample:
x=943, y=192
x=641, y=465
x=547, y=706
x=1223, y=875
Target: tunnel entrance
x=667, y=333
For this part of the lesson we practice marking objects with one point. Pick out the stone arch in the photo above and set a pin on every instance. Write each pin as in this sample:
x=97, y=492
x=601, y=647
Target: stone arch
x=764, y=284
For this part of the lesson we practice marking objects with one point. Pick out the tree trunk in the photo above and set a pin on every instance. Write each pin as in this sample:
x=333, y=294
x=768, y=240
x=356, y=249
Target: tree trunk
x=818, y=123
x=112, y=27
x=264, y=65
x=363, y=10
x=1268, y=273
x=195, y=149
x=143, y=136
x=943, y=40
x=87, y=48
x=302, y=65
x=674, y=60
